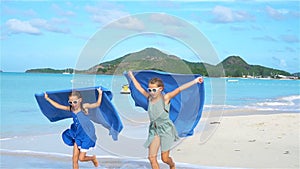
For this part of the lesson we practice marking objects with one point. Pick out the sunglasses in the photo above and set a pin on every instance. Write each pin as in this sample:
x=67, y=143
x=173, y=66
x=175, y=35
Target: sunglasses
x=154, y=90
x=73, y=102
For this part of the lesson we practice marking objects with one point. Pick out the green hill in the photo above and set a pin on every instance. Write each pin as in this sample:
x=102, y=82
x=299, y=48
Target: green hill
x=147, y=59
x=49, y=70
x=296, y=74
x=235, y=66
x=154, y=59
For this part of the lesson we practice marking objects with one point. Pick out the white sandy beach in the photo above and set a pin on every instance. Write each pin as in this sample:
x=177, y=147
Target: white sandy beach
x=261, y=140
x=247, y=141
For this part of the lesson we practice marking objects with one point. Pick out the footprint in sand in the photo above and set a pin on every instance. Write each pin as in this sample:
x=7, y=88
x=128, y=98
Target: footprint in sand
x=215, y=122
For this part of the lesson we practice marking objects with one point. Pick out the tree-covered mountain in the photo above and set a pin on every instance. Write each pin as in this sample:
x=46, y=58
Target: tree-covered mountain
x=147, y=59
x=235, y=66
x=154, y=59
x=296, y=74
x=49, y=70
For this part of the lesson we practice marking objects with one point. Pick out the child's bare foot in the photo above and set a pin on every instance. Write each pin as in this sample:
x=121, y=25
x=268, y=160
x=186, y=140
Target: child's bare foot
x=75, y=166
x=172, y=166
x=95, y=161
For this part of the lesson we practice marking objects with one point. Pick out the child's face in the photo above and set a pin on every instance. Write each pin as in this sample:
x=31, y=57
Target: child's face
x=74, y=101
x=154, y=90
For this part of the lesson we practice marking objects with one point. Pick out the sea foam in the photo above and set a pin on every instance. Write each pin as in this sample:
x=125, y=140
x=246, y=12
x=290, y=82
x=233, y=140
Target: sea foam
x=53, y=160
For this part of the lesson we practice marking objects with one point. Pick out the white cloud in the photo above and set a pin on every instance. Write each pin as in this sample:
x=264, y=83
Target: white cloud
x=107, y=16
x=289, y=49
x=238, y=28
x=17, y=26
x=282, y=63
x=290, y=38
x=176, y=33
x=226, y=15
x=12, y=11
x=265, y=38
x=62, y=12
x=129, y=23
x=165, y=19
x=275, y=14
x=49, y=25
x=34, y=26
x=103, y=14
x=280, y=14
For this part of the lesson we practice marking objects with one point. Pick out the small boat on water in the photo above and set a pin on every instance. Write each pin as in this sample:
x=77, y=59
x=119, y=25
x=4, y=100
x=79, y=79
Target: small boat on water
x=125, y=89
x=232, y=80
x=68, y=71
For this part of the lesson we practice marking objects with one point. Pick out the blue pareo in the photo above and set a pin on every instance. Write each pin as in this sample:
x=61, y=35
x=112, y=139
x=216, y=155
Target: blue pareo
x=106, y=115
x=185, y=108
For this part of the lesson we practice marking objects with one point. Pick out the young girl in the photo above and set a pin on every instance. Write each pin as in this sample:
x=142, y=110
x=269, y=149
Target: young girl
x=162, y=132
x=81, y=135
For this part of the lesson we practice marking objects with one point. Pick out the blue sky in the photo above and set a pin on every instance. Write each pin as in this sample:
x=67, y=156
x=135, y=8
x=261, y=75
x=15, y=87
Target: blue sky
x=38, y=34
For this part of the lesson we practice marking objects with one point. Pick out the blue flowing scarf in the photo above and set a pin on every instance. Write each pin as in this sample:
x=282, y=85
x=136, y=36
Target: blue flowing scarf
x=106, y=114
x=186, y=107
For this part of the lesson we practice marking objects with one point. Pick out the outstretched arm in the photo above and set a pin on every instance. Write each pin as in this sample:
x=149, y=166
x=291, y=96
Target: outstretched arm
x=173, y=93
x=138, y=85
x=55, y=104
x=96, y=104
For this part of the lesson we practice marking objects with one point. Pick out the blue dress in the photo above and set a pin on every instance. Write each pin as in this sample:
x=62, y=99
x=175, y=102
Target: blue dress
x=82, y=131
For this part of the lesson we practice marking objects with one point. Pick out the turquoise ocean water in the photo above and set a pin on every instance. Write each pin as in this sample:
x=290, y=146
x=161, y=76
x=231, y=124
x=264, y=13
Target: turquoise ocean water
x=19, y=108
x=20, y=114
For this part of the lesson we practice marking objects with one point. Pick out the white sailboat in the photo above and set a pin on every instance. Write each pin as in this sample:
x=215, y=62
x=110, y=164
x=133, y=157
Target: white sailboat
x=67, y=72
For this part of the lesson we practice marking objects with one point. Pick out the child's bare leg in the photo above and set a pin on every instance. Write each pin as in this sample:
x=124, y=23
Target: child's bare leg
x=83, y=157
x=165, y=157
x=75, y=156
x=153, y=149
x=95, y=161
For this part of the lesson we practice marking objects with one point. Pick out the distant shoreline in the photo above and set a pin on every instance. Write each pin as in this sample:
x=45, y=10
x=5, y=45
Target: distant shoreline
x=227, y=77
x=154, y=59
